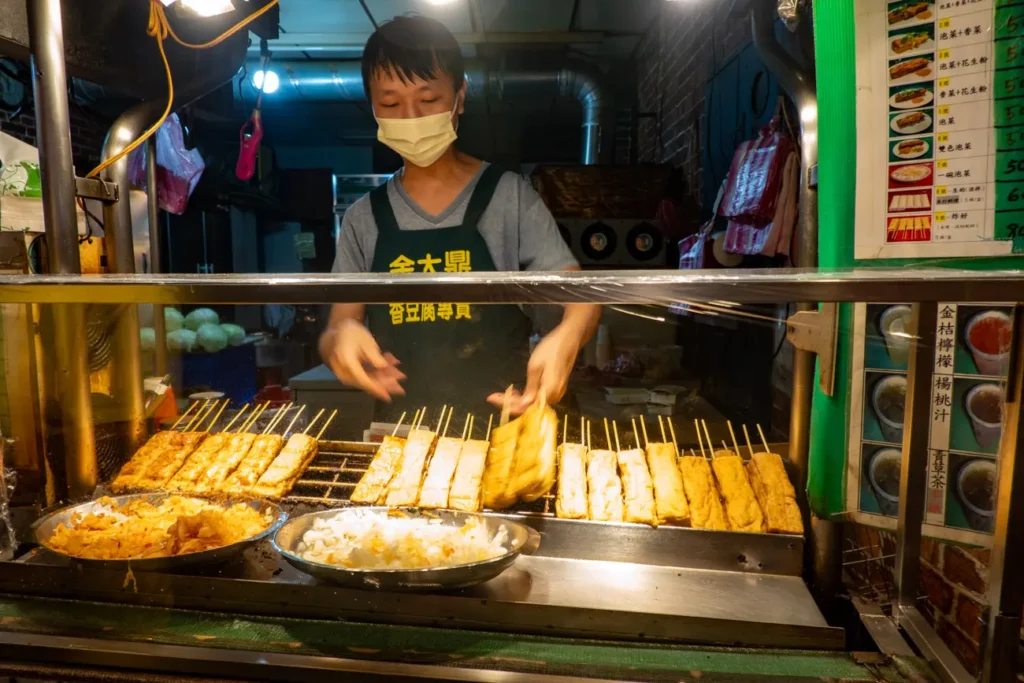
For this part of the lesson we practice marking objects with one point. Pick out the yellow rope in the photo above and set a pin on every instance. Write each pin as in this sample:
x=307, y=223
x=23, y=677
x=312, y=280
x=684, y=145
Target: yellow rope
x=160, y=28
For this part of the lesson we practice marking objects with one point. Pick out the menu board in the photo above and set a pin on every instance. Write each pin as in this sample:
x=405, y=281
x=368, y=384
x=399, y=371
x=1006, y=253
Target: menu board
x=971, y=354
x=940, y=128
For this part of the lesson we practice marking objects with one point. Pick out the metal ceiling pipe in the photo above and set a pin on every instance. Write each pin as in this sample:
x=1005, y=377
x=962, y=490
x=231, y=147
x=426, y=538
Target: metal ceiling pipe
x=343, y=81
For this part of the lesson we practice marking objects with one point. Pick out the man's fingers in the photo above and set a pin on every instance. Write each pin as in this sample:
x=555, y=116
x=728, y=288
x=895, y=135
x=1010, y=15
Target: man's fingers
x=371, y=353
x=362, y=380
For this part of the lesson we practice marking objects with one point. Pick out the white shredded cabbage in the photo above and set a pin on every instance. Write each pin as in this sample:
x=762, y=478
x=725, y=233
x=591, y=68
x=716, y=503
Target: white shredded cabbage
x=372, y=540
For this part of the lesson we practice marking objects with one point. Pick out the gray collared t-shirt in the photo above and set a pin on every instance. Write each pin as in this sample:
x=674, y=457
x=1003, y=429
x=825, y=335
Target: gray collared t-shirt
x=520, y=232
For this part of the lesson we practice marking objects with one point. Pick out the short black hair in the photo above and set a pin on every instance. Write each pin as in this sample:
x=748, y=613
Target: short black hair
x=410, y=47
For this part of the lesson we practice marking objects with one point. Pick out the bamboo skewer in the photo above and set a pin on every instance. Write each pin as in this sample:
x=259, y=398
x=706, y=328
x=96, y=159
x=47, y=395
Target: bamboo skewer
x=256, y=416
x=200, y=414
x=294, y=418
x=672, y=431
x=590, y=436
x=216, y=417
x=615, y=430
x=746, y=435
x=763, y=440
x=440, y=421
x=239, y=414
x=707, y=434
x=583, y=431
x=733, y=435
x=661, y=423
x=326, y=424
x=448, y=421
x=401, y=419
x=200, y=418
x=315, y=418
x=636, y=434
x=467, y=426
x=185, y=414
x=565, y=429
x=700, y=439
x=643, y=429
x=506, y=407
x=489, y=420
x=277, y=418
x=607, y=434
x=423, y=416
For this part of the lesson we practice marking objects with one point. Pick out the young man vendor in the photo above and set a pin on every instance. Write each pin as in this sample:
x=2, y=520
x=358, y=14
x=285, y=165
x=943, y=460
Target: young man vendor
x=445, y=211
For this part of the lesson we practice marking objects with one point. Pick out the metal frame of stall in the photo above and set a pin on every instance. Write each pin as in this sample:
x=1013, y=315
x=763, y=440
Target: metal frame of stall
x=60, y=188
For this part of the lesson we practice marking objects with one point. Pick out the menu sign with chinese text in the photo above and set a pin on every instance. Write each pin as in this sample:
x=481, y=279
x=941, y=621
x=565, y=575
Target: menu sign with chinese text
x=940, y=127
x=972, y=347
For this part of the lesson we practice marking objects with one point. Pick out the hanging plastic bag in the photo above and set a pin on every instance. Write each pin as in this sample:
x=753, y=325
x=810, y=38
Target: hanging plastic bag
x=755, y=177
x=177, y=169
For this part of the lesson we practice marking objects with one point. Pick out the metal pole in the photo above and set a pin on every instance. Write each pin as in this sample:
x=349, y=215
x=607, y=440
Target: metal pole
x=1005, y=587
x=914, y=466
x=154, y=254
x=67, y=358
x=824, y=552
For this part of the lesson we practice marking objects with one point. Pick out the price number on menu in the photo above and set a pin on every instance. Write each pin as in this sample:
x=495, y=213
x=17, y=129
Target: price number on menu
x=944, y=110
x=942, y=164
x=1010, y=167
x=944, y=23
x=941, y=191
x=1009, y=225
x=1010, y=112
x=1009, y=196
x=943, y=137
x=1009, y=83
x=1009, y=53
x=1010, y=138
x=1009, y=22
x=940, y=216
x=944, y=54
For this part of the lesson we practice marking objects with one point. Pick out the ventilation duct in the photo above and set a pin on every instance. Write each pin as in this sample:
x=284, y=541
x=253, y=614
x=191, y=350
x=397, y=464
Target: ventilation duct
x=343, y=81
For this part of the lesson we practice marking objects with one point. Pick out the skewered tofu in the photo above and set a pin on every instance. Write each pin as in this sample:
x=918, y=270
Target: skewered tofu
x=535, y=461
x=438, y=482
x=741, y=508
x=465, y=493
x=638, y=491
x=160, y=470
x=287, y=467
x=404, y=489
x=669, y=498
x=264, y=449
x=237, y=448
x=775, y=494
x=207, y=453
x=571, y=502
x=151, y=450
x=499, y=465
x=373, y=486
x=706, y=510
x=604, y=489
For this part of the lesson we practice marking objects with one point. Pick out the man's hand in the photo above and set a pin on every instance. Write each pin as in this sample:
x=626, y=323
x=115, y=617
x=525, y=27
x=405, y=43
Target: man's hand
x=547, y=373
x=351, y=352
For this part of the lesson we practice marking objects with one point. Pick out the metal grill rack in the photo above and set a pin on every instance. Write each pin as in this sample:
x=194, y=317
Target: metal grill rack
x=332, y=476
x=869, y=565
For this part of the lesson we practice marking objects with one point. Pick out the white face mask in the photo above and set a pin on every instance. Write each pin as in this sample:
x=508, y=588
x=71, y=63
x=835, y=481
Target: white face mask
x=420, y=141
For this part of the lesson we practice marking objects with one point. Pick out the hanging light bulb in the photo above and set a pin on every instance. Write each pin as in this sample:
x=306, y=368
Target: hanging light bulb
x=208, y=8
x=440, y=2
x=268, y=81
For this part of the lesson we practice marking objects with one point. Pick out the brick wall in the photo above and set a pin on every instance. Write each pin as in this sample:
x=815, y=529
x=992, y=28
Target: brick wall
x=674, y=61
x=954, y=580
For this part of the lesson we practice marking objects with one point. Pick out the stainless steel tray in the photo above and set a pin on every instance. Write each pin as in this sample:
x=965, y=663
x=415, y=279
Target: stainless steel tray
x=522, y=540
x=44, y=528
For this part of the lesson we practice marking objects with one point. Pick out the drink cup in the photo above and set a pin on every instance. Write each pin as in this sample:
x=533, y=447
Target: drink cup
x=976, y=489
x=984, y=404
x=888, y=401
x=894, y=325
x=884, y=476
x=987, y=337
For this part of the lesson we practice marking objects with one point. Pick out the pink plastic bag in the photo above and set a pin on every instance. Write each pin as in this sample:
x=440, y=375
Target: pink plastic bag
x=755, y=177
x=177, y=169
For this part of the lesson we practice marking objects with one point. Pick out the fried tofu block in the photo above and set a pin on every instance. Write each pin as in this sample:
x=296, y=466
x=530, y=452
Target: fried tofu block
x=571, y=501
x=604, y=488
x=465, y=493
x=204, y=457
x=287, y=467
x=637, y=488
x=669, y=498
x=498, y=471
x=440, y=470
x=230, y=458
x=775, y=494
x=373, y=486
x=535, y=462
x=128, y=477
x=160, y=471
x=263, y=451
x=741, y=508
x=404, y=489
x=706, y=510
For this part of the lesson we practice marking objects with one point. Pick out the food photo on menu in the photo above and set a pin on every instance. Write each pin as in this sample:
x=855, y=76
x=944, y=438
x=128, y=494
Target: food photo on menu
x=880, y=480
x=970, y=495
x=910, y=12
x=913, y=39
x=915, y=96
x=912, y=69
x=917, y=122
x=913, y=200
x=910, y=149
x=886, y=397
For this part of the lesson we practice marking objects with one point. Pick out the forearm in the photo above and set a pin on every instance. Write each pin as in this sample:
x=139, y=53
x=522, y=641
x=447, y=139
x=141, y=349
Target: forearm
x=580, y=322
x=340, y=315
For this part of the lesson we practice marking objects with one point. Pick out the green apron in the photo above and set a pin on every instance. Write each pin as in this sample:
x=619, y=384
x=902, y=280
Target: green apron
x=454, y=354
